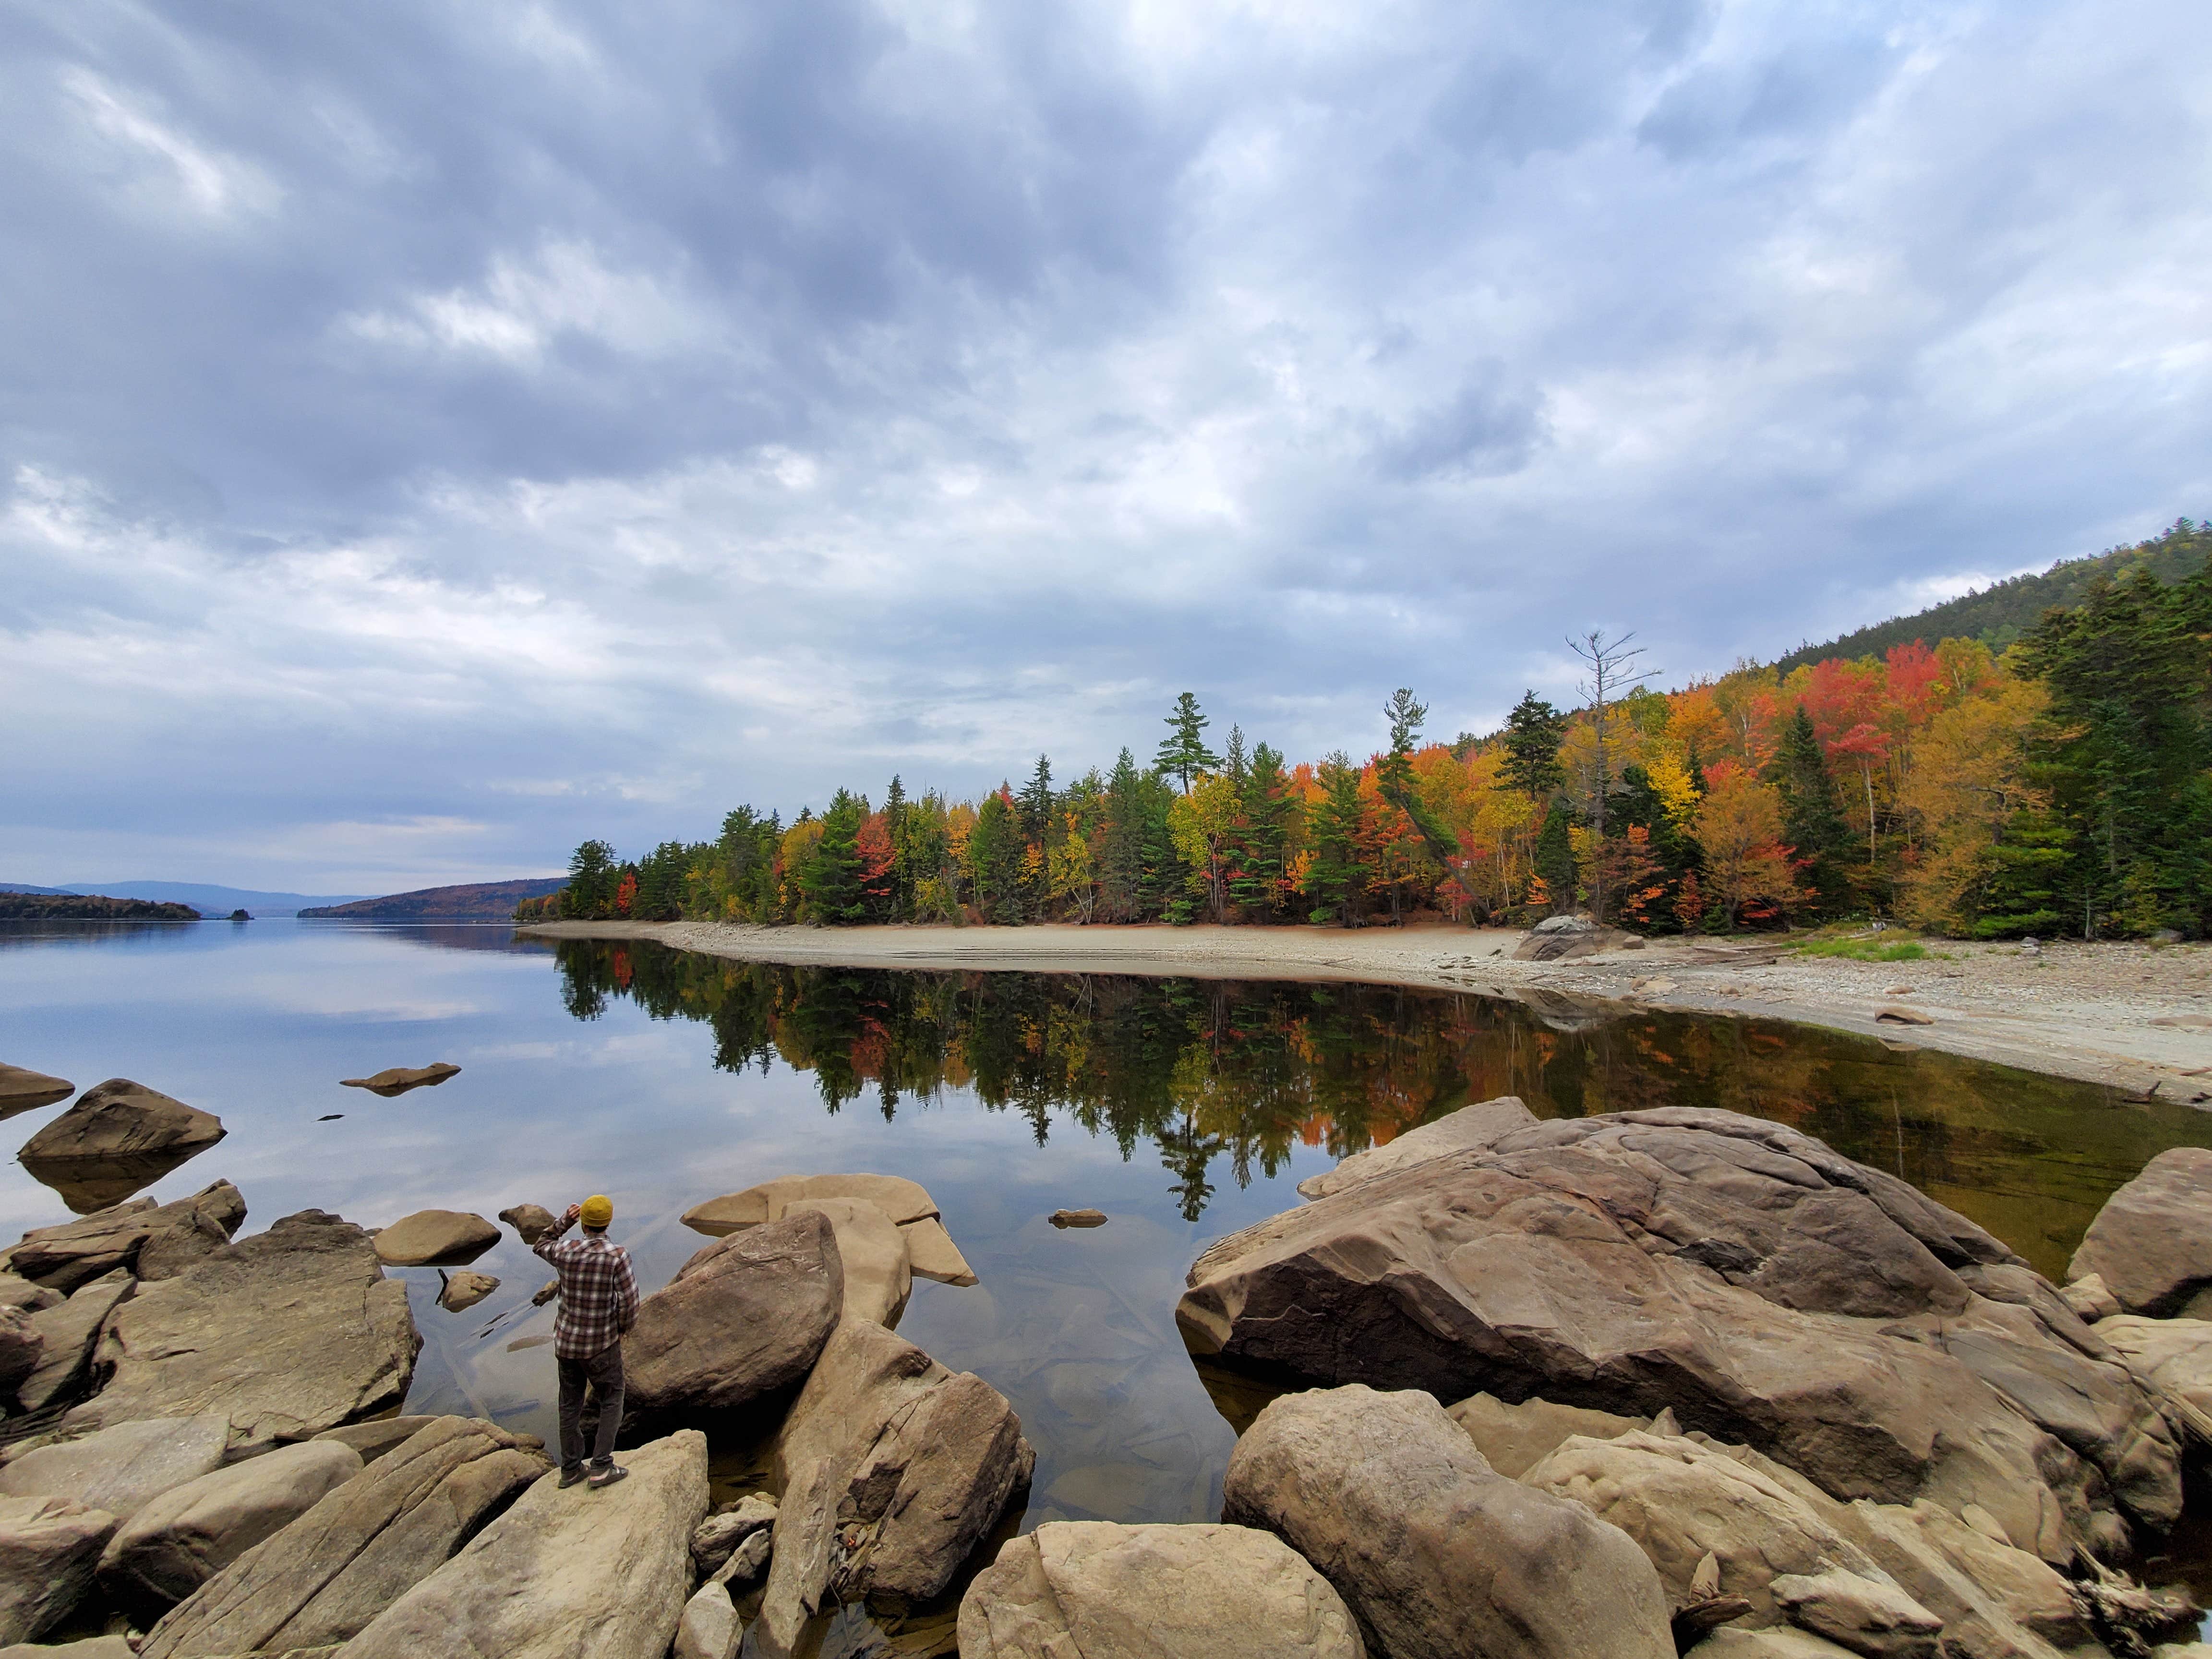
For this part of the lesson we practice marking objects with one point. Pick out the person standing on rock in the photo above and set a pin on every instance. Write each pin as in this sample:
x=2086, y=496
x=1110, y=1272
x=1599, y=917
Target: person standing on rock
x=598, y=1304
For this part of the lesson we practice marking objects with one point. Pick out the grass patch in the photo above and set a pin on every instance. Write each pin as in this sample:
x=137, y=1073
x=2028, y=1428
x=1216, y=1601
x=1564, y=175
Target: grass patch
x=1864, y=950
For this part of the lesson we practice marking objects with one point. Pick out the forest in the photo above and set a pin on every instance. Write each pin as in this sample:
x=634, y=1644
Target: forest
x=2063, y=788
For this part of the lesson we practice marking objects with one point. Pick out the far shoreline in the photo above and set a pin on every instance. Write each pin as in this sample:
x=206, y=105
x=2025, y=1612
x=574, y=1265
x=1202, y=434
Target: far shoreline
x=2132, y=1017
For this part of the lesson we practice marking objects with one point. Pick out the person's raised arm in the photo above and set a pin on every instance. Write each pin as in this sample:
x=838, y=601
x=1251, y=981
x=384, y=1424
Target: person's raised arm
x=543, y=1247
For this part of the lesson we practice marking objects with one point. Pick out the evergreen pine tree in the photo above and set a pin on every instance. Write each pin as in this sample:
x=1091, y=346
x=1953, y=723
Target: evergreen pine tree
x=590, y=891
x=1333, y=879
x=1183, y=754
x=1554, y=859
x=1121, y=859
x=1037, y=801
x=1812, y=822
x=1267, y=809
x=1534, y=732
x=831, y=883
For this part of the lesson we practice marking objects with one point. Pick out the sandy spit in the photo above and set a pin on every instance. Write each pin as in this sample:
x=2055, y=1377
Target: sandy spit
x=2134, y=1017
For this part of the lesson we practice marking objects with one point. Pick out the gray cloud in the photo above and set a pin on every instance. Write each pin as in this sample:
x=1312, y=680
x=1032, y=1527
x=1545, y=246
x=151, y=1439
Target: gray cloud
x=428, y=436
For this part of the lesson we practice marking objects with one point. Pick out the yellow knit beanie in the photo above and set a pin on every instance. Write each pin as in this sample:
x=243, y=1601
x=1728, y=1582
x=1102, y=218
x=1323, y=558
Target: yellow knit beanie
x=598, y=1210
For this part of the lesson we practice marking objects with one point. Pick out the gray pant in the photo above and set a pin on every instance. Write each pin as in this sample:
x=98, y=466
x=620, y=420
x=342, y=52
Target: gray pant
x=603, y=1372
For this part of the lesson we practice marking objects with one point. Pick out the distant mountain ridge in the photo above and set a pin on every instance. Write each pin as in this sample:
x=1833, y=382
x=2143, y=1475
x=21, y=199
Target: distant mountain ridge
x=483, y=901
x=1999, y=614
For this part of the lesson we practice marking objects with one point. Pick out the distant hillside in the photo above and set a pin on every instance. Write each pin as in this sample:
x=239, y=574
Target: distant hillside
x=210, y=899
x=483, y=900
x=25, y=887
x=1999, y=614
x=89, y=907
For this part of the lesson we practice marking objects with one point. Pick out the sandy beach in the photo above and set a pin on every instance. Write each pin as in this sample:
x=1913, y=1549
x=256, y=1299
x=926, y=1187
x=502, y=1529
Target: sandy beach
x=2135, y=1017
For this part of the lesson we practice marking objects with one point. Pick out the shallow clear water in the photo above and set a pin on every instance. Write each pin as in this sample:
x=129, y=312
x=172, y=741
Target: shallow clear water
x=1184, y=1109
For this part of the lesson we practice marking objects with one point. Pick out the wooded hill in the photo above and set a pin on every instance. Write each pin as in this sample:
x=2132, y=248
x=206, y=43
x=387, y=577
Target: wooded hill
x=2063, y=786
x=483, y=901
x=89, y=907
x=1999, y=615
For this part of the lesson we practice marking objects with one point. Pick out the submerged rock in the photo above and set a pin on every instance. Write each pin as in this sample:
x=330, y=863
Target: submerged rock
x=76, y=1252
x=1437, y=1554
x=362, y=1547
x=743, y=1323
x=436, y=1238
x=398, y=1079
x=563, y=1573
x=22, y=1090
x=2152, y=1242
x=1469, y=1129
x=1066, y=1218
x=287, y=1333
x=1102, y=1591
x=179, y=1540
x=460, y=1291
x=119, y=1137
x=1769, y=1291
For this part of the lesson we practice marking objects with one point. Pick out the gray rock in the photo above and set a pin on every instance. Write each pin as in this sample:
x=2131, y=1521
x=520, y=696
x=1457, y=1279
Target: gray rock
x=1067, y=1219
x=22, y=1347
x=1768, y=1289
x=181, y=1540
x=49, y=1547
x=1560, y=939
x=398, y=1079
x=364, y=1545
x=430, y=1238
x=1514, y=1439
x=709, y=1627
x=1877, y=1619
x=122, y=1468
x=288, y=1332
x=2174, y=1356
x=746, y=1560
x=893, y=1469
x=460, y=1291
x=91, y=1647
x=77, y=1252
x=22, y=1090
x=1437, y=1554
x=1471, y=1128
x=564, y=1575
x=2089, y=1299
x=2152, y=1242
x=22, y=1294
x=379, y=1435
x=743, y=1324
x=717, y=1538
x=1100, y=1591
x=531, y=1222
x=118, y=1137
x=69, y=1332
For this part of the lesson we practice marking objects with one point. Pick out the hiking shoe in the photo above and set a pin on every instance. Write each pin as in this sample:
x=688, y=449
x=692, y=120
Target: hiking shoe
x=607, y=1476
x=570, y=1477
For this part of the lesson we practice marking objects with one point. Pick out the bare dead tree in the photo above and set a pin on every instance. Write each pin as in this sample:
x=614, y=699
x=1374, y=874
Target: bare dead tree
x=1611, y=672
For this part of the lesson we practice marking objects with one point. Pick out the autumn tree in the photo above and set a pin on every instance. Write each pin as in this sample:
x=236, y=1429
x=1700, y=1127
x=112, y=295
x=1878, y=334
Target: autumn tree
x=1811, y=823
x=1746, y=863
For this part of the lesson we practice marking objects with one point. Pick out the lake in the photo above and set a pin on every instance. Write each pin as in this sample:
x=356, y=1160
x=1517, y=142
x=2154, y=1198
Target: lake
x=1184, y=1109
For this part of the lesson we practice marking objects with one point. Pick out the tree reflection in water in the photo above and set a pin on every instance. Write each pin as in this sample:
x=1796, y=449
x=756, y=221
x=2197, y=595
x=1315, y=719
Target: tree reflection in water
x=1241, y=1071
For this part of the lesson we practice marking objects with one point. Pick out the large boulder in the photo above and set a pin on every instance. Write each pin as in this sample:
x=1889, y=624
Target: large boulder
x=77, y=1252
x=893, y=1469
x=742, y=1323
x=2152, y=1242
x=118, y=1137
x=22, y=1348
x=362, y=1547
x=49, y=1547
x=124, y=1468
x=564, y=1575
x=879, y=1275
x=1768, y=1289
x=2174, y=1356
x=286, y=1332
x=179, y=1540
x=1100, y=1591
x=531, y=1222
x=1436, y=1553
x=1470, y=1129
x=931, y=1252
x=439, y=1238
x=67, y=1333
x=22, y=1090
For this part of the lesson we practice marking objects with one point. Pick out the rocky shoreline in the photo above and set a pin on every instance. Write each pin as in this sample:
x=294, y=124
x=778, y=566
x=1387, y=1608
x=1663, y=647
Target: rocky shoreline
x=1624, y=1387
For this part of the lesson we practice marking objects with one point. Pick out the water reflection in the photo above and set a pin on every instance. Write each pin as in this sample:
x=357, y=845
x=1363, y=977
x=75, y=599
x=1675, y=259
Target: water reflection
x=1221, y=1078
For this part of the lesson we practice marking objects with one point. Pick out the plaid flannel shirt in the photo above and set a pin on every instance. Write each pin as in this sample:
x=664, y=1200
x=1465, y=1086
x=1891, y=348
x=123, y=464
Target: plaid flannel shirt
x=599, y=1293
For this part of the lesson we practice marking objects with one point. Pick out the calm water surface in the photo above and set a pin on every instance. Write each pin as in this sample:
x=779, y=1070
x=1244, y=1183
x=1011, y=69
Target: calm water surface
x=1184, y=1109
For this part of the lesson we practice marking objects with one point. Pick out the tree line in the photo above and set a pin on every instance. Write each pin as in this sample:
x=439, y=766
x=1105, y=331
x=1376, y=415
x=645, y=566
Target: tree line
x=2063, y=788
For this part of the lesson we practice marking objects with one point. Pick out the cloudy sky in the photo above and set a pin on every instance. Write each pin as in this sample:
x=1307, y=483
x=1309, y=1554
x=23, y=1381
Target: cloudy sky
x=431, y=432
